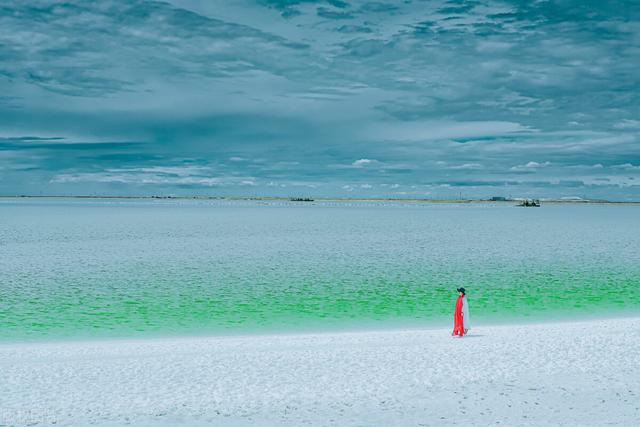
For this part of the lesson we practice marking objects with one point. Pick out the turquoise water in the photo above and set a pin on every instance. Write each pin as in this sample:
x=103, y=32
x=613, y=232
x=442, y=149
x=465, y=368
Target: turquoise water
x=112, y=267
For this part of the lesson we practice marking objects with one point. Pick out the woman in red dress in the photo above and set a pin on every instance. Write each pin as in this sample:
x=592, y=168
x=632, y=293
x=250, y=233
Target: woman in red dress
x=461, y=322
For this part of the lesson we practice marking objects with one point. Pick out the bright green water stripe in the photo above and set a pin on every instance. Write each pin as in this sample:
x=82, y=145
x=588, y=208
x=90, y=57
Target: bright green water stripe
x=180, y=303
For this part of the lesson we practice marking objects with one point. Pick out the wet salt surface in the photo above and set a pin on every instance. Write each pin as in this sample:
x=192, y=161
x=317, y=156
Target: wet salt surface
x=111, y=268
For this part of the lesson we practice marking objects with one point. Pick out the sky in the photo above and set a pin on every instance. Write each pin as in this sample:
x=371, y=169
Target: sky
x=333, y=98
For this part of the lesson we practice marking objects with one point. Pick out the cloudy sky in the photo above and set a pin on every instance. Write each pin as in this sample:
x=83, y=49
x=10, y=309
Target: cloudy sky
x=348, y=98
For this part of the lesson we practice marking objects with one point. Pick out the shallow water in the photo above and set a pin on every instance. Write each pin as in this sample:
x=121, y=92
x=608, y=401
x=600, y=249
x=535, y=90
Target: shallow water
x=112, y=267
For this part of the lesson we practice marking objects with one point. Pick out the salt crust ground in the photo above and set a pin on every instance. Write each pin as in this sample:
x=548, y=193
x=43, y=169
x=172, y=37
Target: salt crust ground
x=571, y=374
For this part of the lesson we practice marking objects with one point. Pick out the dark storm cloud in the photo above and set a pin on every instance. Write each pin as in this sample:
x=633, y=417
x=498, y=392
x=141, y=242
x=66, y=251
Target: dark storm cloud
x=404, y=98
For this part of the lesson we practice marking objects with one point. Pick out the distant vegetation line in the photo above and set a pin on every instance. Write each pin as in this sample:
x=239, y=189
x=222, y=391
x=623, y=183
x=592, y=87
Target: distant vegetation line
x=337, y=199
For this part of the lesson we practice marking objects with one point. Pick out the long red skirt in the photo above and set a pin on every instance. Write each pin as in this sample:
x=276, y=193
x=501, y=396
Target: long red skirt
x=458, y=322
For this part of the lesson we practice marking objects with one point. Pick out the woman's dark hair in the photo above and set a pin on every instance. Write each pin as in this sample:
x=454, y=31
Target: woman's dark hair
x=462, y=290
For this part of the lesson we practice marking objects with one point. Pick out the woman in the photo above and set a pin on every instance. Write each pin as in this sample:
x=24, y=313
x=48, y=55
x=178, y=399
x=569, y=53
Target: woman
x=461, y=323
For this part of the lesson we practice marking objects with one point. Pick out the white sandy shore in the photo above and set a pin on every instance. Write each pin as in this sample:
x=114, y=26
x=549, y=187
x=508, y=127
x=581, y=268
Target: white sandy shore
x=582, y=373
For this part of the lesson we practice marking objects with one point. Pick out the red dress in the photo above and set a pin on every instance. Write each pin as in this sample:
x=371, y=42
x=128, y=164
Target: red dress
x=458, y=323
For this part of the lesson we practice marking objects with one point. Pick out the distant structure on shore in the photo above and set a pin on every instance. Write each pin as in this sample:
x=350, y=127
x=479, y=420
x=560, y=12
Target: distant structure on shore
x=500, y=199
x=300, y=199
x=529, y=203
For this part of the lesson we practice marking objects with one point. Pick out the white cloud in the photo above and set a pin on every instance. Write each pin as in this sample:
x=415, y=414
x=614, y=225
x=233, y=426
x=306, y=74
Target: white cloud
x=613, y=180
x=531, y=166
x=189, y=170
x=626, y=166
x=363, y=162
x=154, y=176
x=537, y=165
x=468, y=166
x=627, y=124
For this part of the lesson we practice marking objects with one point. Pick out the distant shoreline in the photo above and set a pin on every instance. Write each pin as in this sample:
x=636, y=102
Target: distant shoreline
x=331, y=199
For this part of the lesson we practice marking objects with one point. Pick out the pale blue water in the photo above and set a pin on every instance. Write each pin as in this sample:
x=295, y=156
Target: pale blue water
x=113, y=267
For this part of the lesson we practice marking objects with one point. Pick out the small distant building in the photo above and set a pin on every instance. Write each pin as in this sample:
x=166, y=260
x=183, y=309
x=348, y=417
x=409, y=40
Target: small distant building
x=498, y=199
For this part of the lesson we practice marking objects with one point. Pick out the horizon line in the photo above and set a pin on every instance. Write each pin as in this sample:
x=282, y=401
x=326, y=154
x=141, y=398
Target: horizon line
x=313, y=199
